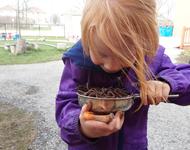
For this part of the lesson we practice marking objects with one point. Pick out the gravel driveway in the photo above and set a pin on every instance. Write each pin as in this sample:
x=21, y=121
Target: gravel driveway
x=33, y=88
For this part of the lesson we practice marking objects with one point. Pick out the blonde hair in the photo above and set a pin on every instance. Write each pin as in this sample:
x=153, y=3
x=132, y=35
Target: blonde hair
x=124, y=26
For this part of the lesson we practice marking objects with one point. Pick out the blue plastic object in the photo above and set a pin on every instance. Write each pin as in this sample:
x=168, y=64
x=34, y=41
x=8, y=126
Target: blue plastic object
x=166, y=31
x=16, y=37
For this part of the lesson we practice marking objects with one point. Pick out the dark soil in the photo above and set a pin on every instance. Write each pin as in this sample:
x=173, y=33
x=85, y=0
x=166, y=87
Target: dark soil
x=17, y=128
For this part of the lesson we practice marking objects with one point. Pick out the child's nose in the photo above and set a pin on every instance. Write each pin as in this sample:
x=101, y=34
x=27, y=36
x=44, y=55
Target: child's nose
x=107, y=67
x=111, y=67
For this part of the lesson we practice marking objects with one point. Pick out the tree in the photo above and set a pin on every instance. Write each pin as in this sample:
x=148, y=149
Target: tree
x=55, y=19
x=25, y=9
x=164, y=8
x=164, y=11
x=18, y=29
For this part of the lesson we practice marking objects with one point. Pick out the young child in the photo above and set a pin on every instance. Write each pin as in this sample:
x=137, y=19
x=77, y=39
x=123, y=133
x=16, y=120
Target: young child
x=119, y=42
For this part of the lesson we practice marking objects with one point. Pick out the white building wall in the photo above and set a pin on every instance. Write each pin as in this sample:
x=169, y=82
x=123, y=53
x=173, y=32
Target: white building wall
x=72, y=25
x=182, y=16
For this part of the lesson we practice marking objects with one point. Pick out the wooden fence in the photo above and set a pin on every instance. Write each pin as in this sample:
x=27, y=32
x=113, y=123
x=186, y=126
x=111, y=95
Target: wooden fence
x=185, y=39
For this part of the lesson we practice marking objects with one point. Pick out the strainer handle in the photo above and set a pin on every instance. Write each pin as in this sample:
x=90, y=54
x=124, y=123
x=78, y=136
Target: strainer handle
x=170, y=96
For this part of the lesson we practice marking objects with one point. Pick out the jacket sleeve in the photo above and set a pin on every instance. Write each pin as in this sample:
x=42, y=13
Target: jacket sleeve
x=178, y=77
x=67, y=107
x=184, y=98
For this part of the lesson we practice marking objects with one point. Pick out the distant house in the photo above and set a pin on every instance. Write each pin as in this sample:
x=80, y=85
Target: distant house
x=72, y=24
x=34, y=15
x=37, y=15
x=7, y=14
x=71, y=18
x=8, y=10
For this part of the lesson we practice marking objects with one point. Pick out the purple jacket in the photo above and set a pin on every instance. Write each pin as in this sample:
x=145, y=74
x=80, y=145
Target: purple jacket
x=133, y=135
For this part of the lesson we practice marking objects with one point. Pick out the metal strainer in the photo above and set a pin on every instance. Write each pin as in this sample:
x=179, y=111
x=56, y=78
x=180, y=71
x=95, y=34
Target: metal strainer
x=109, y=105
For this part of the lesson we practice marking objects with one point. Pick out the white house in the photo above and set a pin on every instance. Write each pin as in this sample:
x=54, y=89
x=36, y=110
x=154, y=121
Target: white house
x=182, y=16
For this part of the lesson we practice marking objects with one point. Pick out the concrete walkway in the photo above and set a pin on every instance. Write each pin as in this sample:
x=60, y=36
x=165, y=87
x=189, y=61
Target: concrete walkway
x=171, y=44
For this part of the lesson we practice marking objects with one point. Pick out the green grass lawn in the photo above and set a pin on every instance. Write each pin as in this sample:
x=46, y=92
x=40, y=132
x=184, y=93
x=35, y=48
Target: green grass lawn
x=2, y=42
x=44, y=37
x=43, y=54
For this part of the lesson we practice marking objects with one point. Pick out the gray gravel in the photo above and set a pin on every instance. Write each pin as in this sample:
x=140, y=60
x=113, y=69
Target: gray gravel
x=33, y=88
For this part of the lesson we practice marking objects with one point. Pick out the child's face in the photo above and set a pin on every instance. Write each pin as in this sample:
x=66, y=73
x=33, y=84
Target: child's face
x=103, y=57
x=105, y=60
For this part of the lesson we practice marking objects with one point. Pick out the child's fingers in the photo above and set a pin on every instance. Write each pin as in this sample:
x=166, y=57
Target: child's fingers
x=98, y=125
x=145, y=101
x=151, y=92
x=158, y=91
x=88, y=115
x=165, y=92
x=86, y=107
x=117, y=122
x=101, y=118
x=104, y=118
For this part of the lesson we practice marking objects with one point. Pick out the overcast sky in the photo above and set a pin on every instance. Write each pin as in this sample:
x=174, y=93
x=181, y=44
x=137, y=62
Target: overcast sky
x=60, y=6
x=50, y=6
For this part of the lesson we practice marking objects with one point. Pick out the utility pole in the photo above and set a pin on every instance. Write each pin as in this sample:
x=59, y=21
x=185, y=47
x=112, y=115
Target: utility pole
x=26, y=11
x=18, y=18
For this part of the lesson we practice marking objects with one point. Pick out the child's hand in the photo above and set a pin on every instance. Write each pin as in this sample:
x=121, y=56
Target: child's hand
x=157, y=92
x=102, y=118
x=94, y=129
